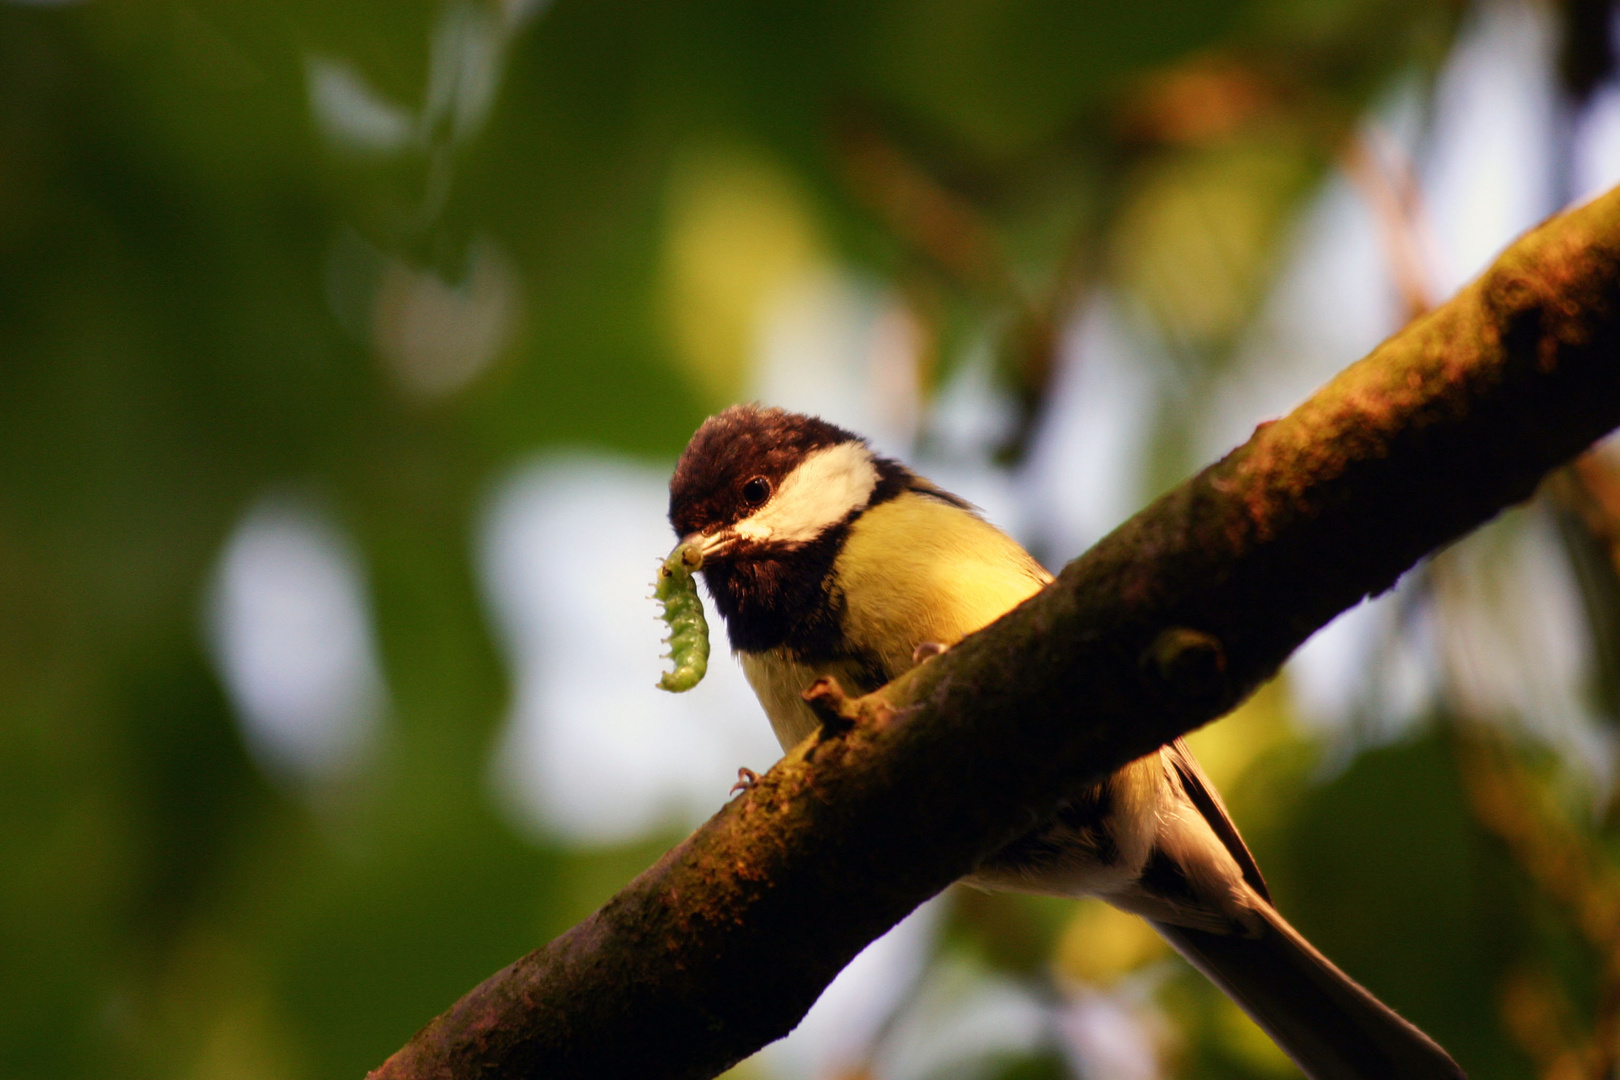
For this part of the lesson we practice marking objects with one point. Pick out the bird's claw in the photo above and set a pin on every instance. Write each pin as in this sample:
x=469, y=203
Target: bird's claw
x=926, y=650
x=746, y=779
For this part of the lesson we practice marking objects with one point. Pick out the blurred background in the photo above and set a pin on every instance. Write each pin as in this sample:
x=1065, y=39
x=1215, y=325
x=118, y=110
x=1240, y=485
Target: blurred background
x=345, y=350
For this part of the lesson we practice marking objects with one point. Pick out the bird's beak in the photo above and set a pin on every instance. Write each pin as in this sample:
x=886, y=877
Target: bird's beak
x=709, y=545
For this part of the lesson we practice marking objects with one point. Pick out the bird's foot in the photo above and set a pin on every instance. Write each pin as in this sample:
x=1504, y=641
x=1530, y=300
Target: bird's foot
x=829, y=702
x=746, y=779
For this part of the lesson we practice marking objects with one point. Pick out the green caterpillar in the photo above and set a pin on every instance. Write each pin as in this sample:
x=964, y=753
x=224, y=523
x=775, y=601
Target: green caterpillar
x=683, y=611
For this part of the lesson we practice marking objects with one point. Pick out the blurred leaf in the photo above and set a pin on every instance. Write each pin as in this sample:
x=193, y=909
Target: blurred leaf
x=739, y=235
x=352, y=114
x=1197, y=241
x=1100, y=943
x=1388, y=875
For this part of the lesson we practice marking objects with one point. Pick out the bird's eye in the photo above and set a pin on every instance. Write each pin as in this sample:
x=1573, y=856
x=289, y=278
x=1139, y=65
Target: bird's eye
x=756, y=491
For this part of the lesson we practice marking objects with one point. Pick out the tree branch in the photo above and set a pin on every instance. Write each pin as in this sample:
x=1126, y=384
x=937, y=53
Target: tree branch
x=1166, y=624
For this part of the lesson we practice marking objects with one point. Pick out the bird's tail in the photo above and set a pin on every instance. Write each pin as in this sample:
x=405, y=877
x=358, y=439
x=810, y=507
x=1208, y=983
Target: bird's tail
x=1320, y=1017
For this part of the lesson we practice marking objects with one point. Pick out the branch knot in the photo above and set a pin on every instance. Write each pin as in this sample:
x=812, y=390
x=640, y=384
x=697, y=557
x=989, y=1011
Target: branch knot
x=1190, y=664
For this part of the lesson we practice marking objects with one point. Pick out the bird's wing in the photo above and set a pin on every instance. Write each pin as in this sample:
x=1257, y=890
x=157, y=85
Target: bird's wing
x=1203, y=795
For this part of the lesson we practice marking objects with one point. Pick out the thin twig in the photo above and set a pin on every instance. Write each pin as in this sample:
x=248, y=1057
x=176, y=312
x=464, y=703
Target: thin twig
x=1384, y=177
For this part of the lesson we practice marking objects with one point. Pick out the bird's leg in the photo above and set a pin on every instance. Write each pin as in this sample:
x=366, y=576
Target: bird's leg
x=829, y=702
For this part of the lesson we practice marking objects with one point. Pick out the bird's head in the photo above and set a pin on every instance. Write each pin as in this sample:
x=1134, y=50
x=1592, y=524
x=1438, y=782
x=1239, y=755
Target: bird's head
x=766, y=496
x=755, y=481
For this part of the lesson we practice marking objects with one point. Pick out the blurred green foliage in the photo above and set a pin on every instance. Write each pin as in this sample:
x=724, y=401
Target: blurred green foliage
x=171, y=346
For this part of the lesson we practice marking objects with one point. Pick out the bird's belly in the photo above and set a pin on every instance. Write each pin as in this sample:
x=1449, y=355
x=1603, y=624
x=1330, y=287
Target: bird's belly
x=1096, y=845
x=779, y=681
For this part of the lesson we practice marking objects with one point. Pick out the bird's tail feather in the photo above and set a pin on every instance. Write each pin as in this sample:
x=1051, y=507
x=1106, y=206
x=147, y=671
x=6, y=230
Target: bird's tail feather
x=1320, y=1017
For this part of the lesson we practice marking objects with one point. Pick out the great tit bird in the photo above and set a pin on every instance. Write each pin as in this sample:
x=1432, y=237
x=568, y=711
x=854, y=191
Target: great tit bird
x=825, y=558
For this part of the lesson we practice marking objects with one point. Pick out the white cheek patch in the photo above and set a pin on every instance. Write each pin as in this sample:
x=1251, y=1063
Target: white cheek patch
x=822, y=491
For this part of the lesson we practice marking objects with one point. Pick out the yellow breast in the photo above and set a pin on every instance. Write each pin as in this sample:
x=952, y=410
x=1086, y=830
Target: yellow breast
x=912, y=570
